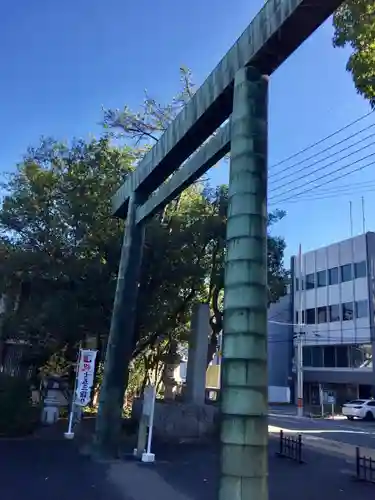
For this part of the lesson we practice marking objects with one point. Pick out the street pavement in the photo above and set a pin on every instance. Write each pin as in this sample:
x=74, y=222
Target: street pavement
x=355, y=433
x=44, y=469
x=35, y=469
x=193, y=472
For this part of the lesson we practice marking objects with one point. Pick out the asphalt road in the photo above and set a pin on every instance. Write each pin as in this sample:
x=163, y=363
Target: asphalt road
x=36, y=469
x=357, y=432
x=193, y=471
x=44, y=470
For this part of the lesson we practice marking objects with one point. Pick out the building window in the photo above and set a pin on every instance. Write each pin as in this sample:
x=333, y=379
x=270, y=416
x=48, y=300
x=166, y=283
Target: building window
x=367, y=355
x=334, y=313
x=342, y=358
x=321, y=278
x=317, y=357
x=355, y=356
x=310, y=316
x=297, y=317
x=310, y=281
x=360, y=356
x=307, y=359
x=360, y=269
x=322, y=314
x=299, y=282
x=333, y=276
x=361, y=309
x=346, y=273
x=347, y=311
x=329, y=356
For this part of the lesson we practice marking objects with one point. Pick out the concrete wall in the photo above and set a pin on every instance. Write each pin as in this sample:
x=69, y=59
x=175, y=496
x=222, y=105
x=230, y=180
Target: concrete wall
x=339, y=376
x=280, y=342
x=370, y=241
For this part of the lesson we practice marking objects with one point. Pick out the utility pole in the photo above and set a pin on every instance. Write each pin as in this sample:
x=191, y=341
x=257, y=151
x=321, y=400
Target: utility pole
x=299, y=339
x=121, y=337
x=244, y=385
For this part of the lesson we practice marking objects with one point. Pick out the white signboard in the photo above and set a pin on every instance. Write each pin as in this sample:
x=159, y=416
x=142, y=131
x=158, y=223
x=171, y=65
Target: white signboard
x=148, y=401
x=331, y=399
x=85, y=376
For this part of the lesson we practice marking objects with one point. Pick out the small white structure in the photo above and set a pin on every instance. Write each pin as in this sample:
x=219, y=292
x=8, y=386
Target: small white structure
x=278, y=394
x=146, y=424
x=54, y=399
x=50, y=415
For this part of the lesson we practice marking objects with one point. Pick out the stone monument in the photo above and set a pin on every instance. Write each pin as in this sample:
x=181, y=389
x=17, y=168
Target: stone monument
x=197, y=356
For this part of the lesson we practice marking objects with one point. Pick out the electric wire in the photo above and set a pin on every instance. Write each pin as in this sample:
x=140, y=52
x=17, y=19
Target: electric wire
x=322, y=140
x=321, y=169
x=332, y=155
x=326, y=149
x=340, y=169
x=350, y=186
x=327, y=196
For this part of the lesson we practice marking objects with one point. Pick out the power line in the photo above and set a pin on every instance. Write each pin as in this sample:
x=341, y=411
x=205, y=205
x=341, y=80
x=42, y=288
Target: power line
x=322, y=140
x=328, y=196
x=335, y=153
x=327, y=342
x=350, y=186
x=320, y=169
x=323, y=177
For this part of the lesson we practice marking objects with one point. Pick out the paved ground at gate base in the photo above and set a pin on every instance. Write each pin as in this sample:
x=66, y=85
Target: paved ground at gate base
x=34, y=469
x=44, y=470
x=193, y=473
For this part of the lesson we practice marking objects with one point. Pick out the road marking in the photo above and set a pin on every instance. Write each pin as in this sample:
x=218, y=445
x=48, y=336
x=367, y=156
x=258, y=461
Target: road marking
x=320, y=424
x=327, y=445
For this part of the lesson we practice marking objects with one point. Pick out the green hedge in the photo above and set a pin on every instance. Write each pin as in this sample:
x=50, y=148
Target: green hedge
x=18, y=416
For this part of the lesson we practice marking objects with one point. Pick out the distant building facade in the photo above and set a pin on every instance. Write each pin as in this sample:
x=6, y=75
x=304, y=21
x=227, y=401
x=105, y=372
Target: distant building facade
x=335, y=298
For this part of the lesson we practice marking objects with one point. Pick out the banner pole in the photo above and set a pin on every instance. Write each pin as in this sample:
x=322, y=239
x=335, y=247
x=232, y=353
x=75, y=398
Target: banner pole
x=70, y=434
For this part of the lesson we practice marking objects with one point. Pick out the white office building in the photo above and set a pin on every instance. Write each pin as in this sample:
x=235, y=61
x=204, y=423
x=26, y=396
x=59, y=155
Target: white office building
x=335, y=298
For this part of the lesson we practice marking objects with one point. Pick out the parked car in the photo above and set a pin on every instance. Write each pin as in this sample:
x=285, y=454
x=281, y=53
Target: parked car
x=359, y=408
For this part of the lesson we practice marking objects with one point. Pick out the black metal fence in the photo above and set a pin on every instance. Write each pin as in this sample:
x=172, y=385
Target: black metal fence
x=365, y=467
x=290, y=447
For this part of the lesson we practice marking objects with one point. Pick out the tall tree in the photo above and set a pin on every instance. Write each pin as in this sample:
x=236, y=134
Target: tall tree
x=143, y=128
x=60, y=243
x=61, y=247
x=354, y=24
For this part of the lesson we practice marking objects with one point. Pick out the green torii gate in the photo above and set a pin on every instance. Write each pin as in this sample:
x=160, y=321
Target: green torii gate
x=236, y=90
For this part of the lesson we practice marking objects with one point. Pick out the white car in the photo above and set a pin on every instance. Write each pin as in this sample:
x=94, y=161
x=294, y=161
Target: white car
x=359, y=408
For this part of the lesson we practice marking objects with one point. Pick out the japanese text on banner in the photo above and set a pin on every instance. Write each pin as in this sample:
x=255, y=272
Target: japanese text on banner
x=85, y=376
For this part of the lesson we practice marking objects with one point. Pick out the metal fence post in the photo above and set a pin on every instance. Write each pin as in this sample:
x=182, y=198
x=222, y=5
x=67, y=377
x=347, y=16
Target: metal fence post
x=357, y=463
x=281, y=442
x=371, y=470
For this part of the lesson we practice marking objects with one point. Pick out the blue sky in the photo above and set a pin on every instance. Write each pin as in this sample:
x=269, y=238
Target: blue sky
x=62, y=61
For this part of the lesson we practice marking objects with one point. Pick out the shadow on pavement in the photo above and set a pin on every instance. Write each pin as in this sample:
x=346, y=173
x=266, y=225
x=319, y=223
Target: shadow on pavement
x=193, y=470
x=35, y=469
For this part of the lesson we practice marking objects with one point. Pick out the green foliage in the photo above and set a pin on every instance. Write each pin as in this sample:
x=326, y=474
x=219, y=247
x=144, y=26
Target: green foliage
x=196, y=245
x=141, y=127
x=18, y=417
x=354, y=24
x=60, y=247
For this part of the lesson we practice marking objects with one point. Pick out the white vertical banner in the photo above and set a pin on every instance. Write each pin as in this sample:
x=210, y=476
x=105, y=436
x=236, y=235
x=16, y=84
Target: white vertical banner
x=148, y=411
x=85, y=376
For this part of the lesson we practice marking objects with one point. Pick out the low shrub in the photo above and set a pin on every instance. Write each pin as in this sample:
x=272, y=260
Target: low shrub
x=18, y=416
